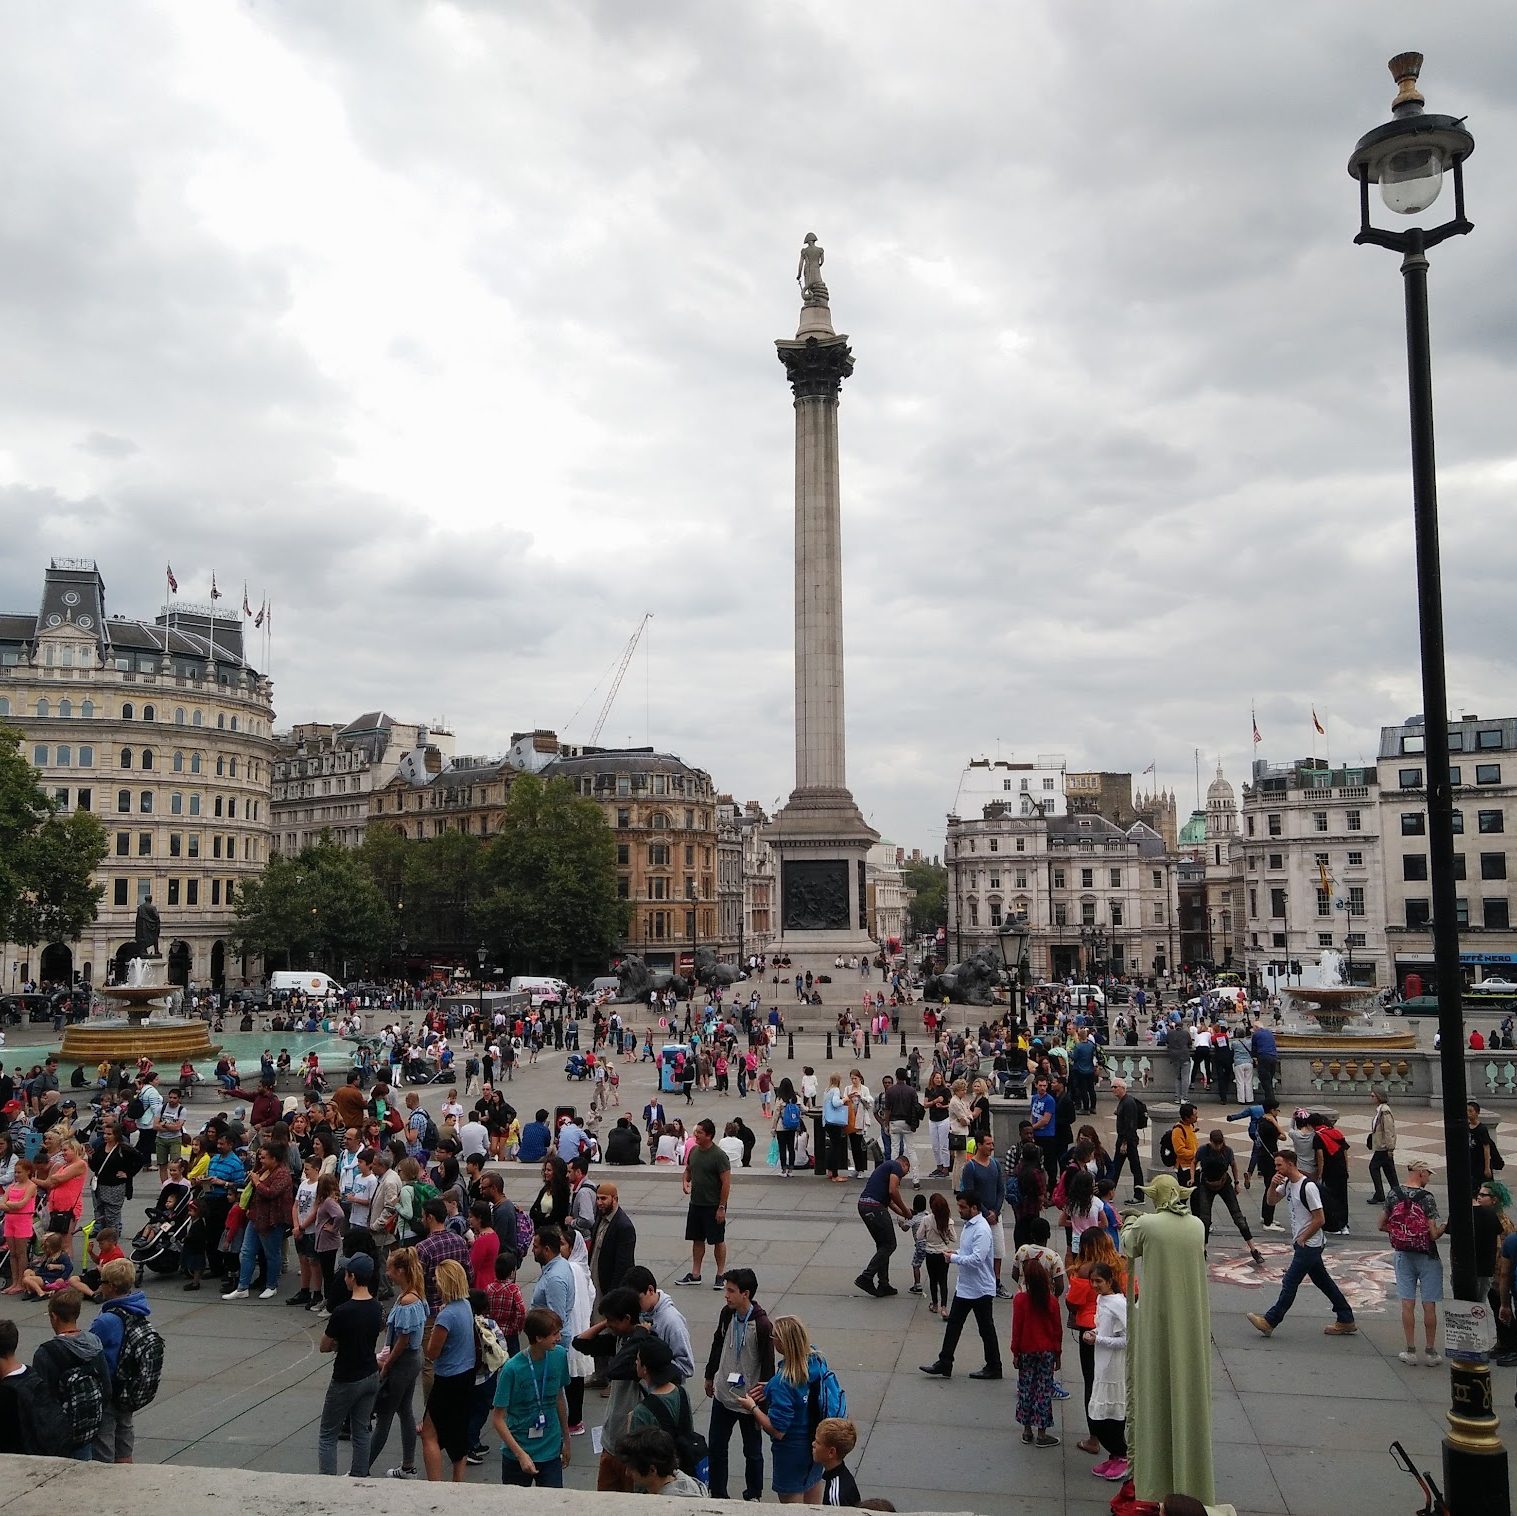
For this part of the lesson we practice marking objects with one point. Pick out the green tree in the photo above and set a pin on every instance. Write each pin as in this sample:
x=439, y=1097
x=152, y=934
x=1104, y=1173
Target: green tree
x=320, y=908
x=442, y=889
x=46, y=859
x=929, y=906
x=548, y=900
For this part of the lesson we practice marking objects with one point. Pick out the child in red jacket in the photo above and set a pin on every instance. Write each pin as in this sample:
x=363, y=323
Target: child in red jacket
x=1037, y=1338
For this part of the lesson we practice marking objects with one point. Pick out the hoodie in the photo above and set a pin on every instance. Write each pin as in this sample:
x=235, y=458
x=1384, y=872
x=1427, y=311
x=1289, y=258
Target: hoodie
x=667, y=1322
x=59, y=1355
x=107, y=1328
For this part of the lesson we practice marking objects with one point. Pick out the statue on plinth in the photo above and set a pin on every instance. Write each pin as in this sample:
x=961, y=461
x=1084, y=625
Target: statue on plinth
x=808, y=273
x=147, y=929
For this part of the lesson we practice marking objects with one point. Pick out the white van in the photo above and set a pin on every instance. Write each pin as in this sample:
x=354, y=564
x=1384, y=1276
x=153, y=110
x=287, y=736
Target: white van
x=539, y=987
x=1080, y=995
x=305, y=981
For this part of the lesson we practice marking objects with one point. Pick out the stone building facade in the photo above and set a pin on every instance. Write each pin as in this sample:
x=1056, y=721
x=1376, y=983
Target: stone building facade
x=1096, y=897
x=760, y=923
x=1313, y=869
x=1483, y=765
x=325, y=774
x=664, y=815
x=163, y=731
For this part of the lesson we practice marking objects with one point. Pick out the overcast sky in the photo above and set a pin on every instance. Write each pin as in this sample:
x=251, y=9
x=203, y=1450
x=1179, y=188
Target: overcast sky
x=450, y=328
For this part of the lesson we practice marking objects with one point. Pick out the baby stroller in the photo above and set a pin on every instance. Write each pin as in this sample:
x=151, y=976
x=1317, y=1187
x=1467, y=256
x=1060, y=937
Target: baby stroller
x=160, y=1244
x=577, y=1066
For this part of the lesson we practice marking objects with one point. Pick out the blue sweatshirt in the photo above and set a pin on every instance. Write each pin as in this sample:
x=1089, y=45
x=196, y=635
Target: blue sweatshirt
x=108, y=1329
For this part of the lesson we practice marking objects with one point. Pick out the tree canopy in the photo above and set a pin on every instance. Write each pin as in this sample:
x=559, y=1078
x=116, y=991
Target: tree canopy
x=929, y=907
x=47, y=858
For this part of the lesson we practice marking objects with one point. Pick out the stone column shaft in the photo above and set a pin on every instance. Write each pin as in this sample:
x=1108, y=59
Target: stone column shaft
x=819, y=746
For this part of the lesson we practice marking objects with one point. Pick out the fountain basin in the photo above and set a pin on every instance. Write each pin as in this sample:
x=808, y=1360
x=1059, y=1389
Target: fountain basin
x=146, y=1030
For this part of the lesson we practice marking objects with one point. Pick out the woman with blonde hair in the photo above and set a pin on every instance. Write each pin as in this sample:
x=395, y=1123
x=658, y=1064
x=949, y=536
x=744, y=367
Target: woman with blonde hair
x=959, y=1117
x=400, y=1361
x=835, y=1109
x=63, y=1182
x=784, y=1412
x=450, y=1346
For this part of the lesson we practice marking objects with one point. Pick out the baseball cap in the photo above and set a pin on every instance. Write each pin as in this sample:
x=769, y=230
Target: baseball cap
x=361, y=1267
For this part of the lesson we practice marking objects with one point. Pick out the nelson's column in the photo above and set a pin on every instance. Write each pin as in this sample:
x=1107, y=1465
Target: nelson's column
x=819, y=838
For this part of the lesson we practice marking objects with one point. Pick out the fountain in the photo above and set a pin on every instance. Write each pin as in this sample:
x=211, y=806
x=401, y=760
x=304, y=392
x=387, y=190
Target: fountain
x=148, y=1027
x=1336, y=1011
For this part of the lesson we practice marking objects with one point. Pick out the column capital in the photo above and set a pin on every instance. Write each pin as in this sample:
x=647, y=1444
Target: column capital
x=816, y=367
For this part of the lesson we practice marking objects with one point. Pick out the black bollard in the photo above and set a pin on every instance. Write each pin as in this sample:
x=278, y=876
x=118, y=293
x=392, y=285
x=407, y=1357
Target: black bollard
x=903, y=1044
x=791, y=1037
x=867, y=1041
x=829, y=1047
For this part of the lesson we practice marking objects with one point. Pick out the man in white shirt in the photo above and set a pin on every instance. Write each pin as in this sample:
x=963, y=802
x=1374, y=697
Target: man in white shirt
x=473, y=1137
x=1303, y=1201
x=974, y=1290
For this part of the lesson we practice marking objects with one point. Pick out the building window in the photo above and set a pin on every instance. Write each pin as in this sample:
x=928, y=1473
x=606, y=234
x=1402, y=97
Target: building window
x=144, y=844
x=175, y=840
x=124, y=802
x=1087, y=879
x=1324, y=903
x=1087, y=913
x=1418, y=913
x=1275, y=825
x=194, y=805
x=126, y=711
x=1319, y=820
x=1493, y=865
x=1494, y=912
x=215, y=892
x=1461, y=910
x=126, y=758
x=1116, y=879
x=1413, y=745
x=173, y=892
x=86, y=757
x=1487, y=773
x=1458, y=865
x=118, y=891
x=974, y=914
x=1276, y=861
x=1458, y=823
x=1489, y=738
x=145, y=803
x=195, y=718
x=658, y=854
x=1409, y=779
x=193, y=844
x=1021, y=878
x=1353, y=821
x=1492, y=822
x=1413, y=824
x=995, y=913
x=1116, y=913
x=66, y=708
x=1058, y=879
x=192, y=892
x=1248, y=824
x=622, y=854
x=1414, y=866
x=1355, y=860
x=1061, y=914
x=195, y=765
x=39, y=757
x=623, y=887
x=1277, y=903
x=123, y=844
x=1454, y=774
x=216, y=845
x=83, y=798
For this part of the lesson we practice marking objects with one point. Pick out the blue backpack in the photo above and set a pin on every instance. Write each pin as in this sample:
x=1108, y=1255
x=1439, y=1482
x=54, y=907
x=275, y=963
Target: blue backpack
x=824, y=1397
x=790, y=1116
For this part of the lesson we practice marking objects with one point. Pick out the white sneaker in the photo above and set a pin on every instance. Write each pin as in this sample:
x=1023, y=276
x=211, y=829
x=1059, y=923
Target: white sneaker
x=235, y=1295
x=1274, y=1226
x=1432, y=1357
x=1409, y=1355
x=268, y=1294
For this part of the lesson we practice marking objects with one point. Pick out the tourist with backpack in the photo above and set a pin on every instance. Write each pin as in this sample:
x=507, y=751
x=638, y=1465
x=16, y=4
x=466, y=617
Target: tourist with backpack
x=1303, y=1202
x=74, y=1373
x=664, y=1403
x=787, y=1122
x=802, y=1394
x=1410, y=1220
x=31, y=1421
x=133, y=1358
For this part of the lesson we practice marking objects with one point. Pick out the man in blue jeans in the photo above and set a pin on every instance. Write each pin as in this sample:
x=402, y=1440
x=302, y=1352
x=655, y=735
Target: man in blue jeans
x=1303, y=1201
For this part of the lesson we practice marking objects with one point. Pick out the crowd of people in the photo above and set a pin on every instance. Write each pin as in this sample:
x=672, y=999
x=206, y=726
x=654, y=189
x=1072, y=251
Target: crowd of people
x=472, y=1271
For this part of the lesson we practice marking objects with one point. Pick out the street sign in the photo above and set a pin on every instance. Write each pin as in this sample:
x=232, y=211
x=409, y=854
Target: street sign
x=1468, y=1326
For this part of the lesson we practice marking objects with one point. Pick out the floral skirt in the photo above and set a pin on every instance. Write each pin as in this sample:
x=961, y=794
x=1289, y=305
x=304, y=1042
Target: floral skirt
x=1035, y=1391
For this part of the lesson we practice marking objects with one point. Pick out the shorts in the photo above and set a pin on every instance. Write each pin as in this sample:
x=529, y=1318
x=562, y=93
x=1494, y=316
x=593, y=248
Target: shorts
x=701, y=1225
x=1419, y=1272
x=305, y=1245
x=998, y=1241
x=166, y=1146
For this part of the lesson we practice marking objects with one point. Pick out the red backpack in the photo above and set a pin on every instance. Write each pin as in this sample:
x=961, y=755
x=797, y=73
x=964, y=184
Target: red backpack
x=1406, y=1224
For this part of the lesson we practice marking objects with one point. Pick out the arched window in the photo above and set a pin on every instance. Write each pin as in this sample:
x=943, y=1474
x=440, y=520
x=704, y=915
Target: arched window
x=148, y=713
x=126, y=757
x=195, y=719
x=194, y=763
x=234, y=766
x=147, y=758
x=66, y=708
x=64, y=756
x=43, y=707
x=234, y=723
x=5, y=705
x=126, y=711
x=178, y=715
x=221, y=718
x=231, y=807
x=87, y=710
x=220, y=765
x=178, y=763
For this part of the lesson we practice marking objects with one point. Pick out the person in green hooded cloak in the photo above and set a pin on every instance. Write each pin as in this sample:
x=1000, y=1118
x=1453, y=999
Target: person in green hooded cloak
x=1169, y=1347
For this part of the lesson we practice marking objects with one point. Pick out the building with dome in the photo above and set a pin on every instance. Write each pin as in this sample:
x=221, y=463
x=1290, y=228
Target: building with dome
x=162, y=729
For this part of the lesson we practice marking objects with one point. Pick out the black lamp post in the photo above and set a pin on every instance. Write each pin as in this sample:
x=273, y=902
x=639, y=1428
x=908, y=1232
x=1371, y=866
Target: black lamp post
x=1093, y=939
x=482, y=954
x=1408, y=157
x=1013, y=937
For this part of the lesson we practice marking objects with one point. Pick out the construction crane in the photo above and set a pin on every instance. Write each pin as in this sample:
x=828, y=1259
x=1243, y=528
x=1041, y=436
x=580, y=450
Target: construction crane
x=616, y=683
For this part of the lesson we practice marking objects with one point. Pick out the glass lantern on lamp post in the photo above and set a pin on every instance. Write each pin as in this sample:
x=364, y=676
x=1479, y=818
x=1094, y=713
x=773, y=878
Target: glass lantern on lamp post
x=1013, y=937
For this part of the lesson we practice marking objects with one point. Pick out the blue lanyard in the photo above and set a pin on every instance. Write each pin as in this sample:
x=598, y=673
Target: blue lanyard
x=739, y=1333
x=540, y=1390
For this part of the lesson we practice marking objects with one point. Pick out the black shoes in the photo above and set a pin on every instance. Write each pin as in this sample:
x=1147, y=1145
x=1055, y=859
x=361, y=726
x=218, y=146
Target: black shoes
x=937, y=1370
x=866, y=1284
x=302, y=1297
x=986, y=1373
x=883, y=1290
